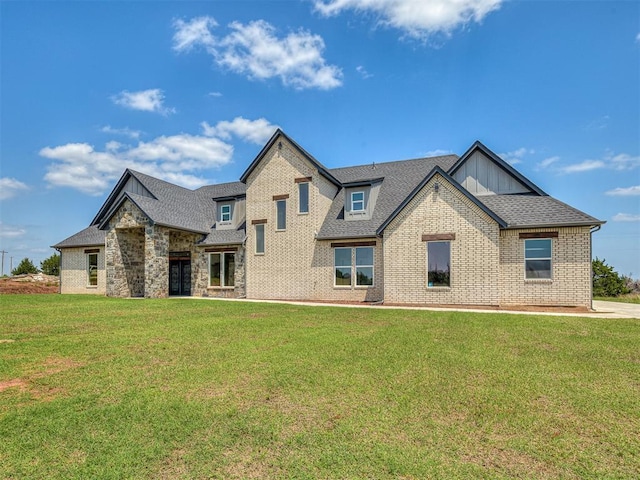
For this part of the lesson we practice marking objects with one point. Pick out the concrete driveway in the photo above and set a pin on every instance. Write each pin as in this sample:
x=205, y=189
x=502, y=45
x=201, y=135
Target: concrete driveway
x=615, y=309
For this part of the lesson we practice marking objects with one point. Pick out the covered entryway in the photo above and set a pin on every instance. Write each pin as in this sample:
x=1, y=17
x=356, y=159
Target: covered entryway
x=180, y=273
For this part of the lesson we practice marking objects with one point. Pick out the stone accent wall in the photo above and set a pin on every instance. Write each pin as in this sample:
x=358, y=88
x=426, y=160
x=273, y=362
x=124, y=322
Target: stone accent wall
x=474, y=251
x=125, y=252
x=570, y=284
x=201, y=285
x=156, y=261
x=73, y=271
x=295, y=265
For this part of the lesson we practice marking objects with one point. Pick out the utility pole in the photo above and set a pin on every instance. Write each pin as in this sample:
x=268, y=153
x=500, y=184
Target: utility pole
x=3, y=252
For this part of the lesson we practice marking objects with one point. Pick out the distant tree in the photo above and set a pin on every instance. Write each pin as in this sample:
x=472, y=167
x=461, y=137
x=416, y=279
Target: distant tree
x=25, y=266
x=606, y=281
x=51, y=265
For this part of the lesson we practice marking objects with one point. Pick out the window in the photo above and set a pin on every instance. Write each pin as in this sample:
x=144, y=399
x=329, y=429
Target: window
x=537, y=258
x=225, y=213
x=303, y=197
x=92, y=269
x=345, y=269
x=357, y=201
x=342, y=263
x=438, y=264
x=364, y=266
x=260, y=238
x=222, y=269
x=281, y=215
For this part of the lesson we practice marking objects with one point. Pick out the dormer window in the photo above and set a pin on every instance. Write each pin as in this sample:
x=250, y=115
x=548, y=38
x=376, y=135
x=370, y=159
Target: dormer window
x=357, y=201
x=225, y=213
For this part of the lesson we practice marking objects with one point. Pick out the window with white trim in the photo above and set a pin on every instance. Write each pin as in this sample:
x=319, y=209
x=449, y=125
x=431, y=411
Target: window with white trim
x=353, y=262
x=537, y=258
x=222, y=269
x=259, y=238
x=225, y=213
x=281, y=214
x=303, y=197
x=92, y=269
x=438, y=264
x=357, y=201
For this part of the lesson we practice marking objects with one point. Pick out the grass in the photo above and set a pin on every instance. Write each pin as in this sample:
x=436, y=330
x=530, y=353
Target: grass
x=92, y=387
x=629, y=298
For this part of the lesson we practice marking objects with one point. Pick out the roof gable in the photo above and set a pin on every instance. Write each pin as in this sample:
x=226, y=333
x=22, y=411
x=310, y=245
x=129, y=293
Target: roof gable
x=439, y=171
x=277, y=136
x=481, y=172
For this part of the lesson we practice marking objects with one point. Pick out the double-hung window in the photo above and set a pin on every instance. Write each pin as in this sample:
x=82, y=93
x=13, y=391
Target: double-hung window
x=350, y=263
x=537, y=258
x=222, y=269
x=438, y=264
x=303, y=197
x=92, y=269
x=225, y=213
x=357, y=201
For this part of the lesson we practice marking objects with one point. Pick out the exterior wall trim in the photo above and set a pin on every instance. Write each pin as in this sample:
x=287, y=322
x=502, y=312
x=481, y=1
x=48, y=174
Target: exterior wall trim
x=438, y=237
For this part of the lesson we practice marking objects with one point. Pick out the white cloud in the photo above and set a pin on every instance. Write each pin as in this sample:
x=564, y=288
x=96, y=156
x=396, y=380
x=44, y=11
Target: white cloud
x=176, y=158
x=438, y=152
x=151, y=100
x=547, y=162
x=584, y=166
x=255, y=131
x=193, y=33
x=215, y=94
x=620, y=162
x=626, y=217
x=625, y=192
x=515, y=156
x=11, y=231
x=623, y=161
x=10, y=187
x=638, y=38
x=417, y=18
x=254, y=50
x=363, y=71
x=126, y=131
x=598, y=124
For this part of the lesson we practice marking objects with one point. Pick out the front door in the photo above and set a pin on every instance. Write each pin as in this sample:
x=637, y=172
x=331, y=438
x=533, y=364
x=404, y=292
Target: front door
x=180, y=277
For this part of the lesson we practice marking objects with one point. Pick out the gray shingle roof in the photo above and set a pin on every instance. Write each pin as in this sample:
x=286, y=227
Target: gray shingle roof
x=400, y=178
x=89, y=237
x=535, y=211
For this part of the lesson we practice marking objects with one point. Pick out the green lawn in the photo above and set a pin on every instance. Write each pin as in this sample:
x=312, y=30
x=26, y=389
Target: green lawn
x=629, y=298
x=104, y=388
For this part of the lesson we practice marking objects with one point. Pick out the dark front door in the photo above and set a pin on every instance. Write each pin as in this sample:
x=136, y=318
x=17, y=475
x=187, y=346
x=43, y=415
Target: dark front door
x=180, y=277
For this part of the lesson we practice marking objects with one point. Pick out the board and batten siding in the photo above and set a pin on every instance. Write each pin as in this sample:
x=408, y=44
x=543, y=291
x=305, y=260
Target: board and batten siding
x=481, y=176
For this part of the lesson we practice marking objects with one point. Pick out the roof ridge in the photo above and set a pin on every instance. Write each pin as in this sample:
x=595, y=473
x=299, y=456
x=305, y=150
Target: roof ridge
x=378, y=164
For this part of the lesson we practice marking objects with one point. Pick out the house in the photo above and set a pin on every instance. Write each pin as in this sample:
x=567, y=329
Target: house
x=445, y=230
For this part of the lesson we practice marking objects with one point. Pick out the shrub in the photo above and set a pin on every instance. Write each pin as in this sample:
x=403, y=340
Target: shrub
x=606, y=281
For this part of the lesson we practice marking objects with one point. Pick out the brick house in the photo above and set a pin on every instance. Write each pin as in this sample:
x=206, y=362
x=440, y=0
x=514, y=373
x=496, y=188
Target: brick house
x=446, y=230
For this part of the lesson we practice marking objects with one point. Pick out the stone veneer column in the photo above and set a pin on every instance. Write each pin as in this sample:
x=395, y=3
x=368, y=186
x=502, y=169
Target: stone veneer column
x=156, y=262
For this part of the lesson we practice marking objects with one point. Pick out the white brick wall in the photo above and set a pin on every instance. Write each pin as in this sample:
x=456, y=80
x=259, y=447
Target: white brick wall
x=571, y=269
x=73, y=271
x=294, y=265
x=474, y=252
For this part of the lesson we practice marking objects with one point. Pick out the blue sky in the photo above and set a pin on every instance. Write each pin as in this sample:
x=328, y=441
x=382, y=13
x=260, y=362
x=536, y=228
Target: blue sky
x=190, y=91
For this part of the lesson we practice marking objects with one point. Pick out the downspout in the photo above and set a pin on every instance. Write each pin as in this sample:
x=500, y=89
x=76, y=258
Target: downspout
x=59, y=272
x=591, y=232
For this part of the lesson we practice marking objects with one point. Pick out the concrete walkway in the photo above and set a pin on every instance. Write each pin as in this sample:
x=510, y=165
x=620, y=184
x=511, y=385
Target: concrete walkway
x=616, y=309
x=601, y=309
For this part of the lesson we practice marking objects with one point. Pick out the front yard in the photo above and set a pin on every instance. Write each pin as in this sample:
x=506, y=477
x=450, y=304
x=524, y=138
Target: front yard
x=92, y=387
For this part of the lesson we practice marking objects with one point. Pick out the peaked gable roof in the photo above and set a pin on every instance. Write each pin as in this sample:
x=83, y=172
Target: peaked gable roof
x=162, y=202
x=279, y=134
x=398, y=179
x=478, y=146
x=439, y=171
